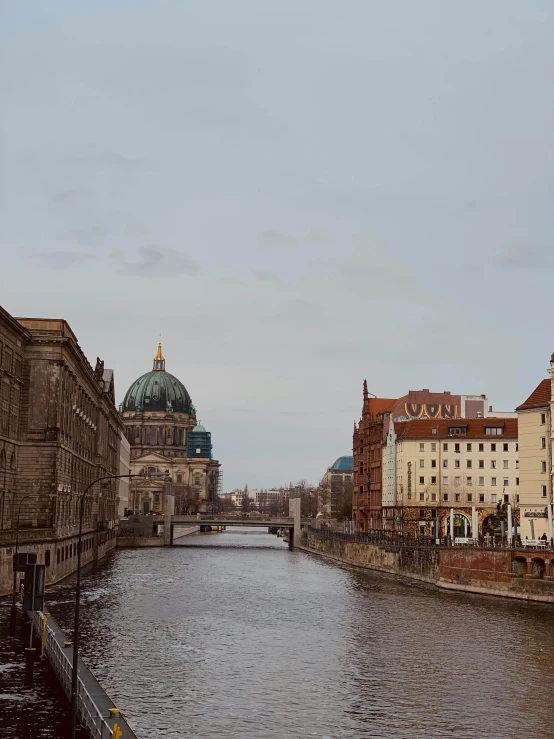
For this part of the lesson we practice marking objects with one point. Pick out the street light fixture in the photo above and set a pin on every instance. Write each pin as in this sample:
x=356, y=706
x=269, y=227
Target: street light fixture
x=75, y=668
x=13, y=610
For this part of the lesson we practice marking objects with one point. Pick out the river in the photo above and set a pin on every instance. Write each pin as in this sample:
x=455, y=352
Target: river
x=234, y=636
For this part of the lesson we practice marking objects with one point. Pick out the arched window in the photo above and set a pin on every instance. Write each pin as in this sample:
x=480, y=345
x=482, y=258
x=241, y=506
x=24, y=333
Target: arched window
x=2, y=460
x=47, y=558
x=12, y=462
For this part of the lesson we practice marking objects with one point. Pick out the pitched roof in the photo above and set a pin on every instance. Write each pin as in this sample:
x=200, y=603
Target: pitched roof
x=382, y=405
x=475, y=428
x=539, y=398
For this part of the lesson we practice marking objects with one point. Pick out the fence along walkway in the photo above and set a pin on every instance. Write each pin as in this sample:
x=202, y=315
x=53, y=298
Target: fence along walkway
x=93, y=703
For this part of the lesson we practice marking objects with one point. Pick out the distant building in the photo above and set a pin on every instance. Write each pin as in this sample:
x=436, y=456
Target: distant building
x=161, y=427
x=370, y=437
x=336, y=485
x=536, y=453
x=124, y=465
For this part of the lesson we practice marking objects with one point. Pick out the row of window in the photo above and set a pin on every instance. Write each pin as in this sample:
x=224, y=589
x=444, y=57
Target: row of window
x=469, y=481
x=459, y=498
x=469, y=464
x=469, y=447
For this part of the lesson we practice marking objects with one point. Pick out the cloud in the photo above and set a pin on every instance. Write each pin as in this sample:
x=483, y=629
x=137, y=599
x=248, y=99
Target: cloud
x=67, y=196
x=318, y=237
x=60, y=260
x=275, y=240
x=525, y=256
x=88, y=235
x=157, y=262
x=265, y=275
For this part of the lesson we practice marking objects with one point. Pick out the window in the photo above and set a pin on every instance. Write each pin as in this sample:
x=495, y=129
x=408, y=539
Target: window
x=493, y=498
x=494, y=431
x=433, y=497
x=543, y=418
x=481, y=447
x=481, y=497
x=543, y=466
x=506, y=464
x=457, y=431
x=481, y=481
x=422, y=512
x=493, y=482
x=469, y=481
x=506, y=499
x=493, y=464
x=445, y=463
x=434, y=447
x=481, y=464
x=543, y=442
x=544, y=491
x=47, y=558
x=434, y=431
x=445, y=447
x=506, y=447
x=468, y=447
x=457, y=480
x=506, y=482
x=422, y=481
x=433, y=481
x=422, y=447
x=179, y=478
x=457, y=497
x=469, y=497
x=517, y=464
x=469, y=463
x=457, y=464
x=433, y=463
x=493, y=447
x=445, y=480
x=422, y=463
x=517, y=481
x=456, y=447
x=422, y=496
x=445, y=496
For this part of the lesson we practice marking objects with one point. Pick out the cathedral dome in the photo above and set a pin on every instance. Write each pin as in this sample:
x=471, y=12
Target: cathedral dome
x=158, y=391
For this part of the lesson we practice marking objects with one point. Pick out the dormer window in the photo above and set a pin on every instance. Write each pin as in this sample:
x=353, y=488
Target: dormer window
x=494, y=431
x=457, y=430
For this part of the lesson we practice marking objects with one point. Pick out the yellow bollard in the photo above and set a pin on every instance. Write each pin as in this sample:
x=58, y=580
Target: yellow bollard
x=116, y=732
x=114, y=712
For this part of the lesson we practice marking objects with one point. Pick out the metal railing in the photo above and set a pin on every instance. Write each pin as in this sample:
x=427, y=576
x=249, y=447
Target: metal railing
x=398, y=538
x=88, y=712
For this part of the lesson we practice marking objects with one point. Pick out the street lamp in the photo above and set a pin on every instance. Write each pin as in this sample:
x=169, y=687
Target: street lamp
x=74, y=672
x=13, y=611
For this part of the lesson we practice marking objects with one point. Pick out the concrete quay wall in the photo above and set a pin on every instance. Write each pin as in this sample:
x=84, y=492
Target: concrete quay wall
x=59, y=556
x=510, y=573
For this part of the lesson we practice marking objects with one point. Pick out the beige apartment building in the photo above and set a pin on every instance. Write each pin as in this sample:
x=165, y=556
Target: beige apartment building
x=433, y=466
x=536, y=439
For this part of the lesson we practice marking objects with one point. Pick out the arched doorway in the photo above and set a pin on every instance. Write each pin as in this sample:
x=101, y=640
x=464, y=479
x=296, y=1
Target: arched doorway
x=146, y=507
x=462, y=525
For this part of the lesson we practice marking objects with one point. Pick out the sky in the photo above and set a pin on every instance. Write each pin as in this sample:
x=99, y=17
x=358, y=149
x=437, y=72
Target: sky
x=298, y=195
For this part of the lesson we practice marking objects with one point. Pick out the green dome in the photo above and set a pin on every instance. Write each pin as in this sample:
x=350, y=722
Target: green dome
x=157, y=391
x=198, y=429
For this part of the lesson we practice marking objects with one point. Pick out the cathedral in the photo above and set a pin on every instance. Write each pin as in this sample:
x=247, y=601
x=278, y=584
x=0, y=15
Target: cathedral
x=161, y=427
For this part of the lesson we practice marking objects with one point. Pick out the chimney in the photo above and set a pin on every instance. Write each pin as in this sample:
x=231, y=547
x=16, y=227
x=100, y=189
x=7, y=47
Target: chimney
x=490, y=408
x=479, y=414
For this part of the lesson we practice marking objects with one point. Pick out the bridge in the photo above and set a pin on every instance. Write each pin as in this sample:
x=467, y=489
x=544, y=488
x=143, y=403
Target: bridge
x=293, y=522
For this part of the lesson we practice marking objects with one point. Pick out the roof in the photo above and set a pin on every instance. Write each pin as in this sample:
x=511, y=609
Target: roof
x=539, y=398
x=343, y=464
x=198, y=429
x=475, y=428
x=382, y=405
x=157, y=391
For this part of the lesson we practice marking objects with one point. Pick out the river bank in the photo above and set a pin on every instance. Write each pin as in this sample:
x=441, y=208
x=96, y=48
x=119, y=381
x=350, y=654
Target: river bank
x=508, y=573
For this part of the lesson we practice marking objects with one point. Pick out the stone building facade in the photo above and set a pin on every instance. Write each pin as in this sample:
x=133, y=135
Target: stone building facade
x=536, y=432
x=63, y=432
x=370, y=436
x=162, y=429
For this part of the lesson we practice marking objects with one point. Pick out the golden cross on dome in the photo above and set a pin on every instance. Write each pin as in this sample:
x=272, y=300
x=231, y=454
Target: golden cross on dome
x=159, y=356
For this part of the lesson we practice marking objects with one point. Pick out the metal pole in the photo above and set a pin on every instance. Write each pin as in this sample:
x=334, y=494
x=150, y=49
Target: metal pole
x=510, y=538
x=550, y=527
x=13, y=610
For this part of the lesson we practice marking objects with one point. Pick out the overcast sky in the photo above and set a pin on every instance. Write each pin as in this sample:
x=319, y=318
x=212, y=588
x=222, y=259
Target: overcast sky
x=299, y=194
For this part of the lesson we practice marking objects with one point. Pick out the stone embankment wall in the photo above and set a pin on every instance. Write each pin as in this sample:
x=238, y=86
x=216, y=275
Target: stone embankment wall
x=59, y=556
x=512, y=573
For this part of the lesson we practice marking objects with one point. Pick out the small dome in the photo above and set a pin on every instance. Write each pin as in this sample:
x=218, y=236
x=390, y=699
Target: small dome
x=198, y=429
x=343, y=464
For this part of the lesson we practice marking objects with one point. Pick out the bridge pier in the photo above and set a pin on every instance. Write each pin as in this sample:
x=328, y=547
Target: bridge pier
x=169, y=502
x=295, y=512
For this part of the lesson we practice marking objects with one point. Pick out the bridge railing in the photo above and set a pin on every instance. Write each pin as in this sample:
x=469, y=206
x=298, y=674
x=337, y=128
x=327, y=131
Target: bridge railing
x=88, y=712
x=381, y=537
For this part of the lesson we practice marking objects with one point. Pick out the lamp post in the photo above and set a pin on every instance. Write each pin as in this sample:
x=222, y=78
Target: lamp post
x=13, y=610
x=75, y=667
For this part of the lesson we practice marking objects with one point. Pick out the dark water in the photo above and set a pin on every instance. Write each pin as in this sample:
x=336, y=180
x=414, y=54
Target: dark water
x=232, y=635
